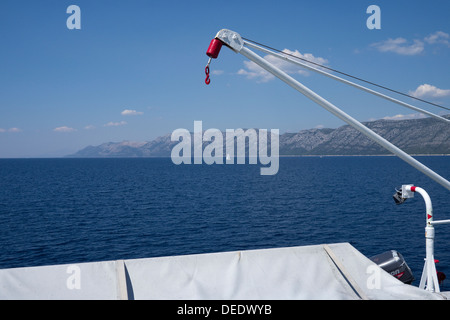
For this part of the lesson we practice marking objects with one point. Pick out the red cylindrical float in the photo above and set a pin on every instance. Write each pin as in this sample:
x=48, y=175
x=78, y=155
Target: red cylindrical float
x=214, y=48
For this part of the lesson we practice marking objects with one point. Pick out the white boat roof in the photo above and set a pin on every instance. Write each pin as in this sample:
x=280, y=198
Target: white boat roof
x=334, y=271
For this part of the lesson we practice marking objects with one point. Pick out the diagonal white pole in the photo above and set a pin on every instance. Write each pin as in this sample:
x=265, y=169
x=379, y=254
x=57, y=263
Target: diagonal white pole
x=342, y=115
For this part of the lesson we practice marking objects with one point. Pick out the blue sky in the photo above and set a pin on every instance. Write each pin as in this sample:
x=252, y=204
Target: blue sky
x=62, y=90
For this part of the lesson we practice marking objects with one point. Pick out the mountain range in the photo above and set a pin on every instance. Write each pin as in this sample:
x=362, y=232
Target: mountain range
x=417, y=136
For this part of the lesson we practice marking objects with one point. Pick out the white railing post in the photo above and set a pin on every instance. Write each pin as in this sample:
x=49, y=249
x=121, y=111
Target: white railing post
x=429, y=280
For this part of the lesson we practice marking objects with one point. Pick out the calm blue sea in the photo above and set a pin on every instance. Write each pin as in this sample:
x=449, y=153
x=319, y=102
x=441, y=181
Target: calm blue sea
x=58, y=211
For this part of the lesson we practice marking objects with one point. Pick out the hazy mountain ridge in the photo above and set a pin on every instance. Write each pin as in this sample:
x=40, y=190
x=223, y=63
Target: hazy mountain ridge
x=418, y=136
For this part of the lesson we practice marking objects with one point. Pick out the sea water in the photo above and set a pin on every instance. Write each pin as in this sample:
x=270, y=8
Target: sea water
x=60, y=211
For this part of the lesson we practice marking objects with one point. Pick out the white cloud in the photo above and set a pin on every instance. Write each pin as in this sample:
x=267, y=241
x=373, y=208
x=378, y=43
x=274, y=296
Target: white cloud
x=406, y=116
x=89, y=127
x=253, y=71
x=115, y=124
x=438, y=37
x=400, y=46
x=128, y=112
x=217, y=72
x=427, y=90
x=10, y=130
x=404, y=47
x=64, y=129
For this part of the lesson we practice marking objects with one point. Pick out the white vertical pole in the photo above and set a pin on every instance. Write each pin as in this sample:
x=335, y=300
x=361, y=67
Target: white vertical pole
x=429, y=279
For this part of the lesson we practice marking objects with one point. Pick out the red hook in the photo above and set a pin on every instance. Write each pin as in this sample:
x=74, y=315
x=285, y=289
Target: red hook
x=207, y=80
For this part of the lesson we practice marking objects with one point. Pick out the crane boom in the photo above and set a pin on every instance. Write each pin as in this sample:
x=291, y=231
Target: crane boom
x=235, y=42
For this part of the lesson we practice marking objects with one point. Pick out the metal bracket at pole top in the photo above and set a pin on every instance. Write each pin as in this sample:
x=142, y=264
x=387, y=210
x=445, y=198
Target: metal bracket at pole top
x=231, y=39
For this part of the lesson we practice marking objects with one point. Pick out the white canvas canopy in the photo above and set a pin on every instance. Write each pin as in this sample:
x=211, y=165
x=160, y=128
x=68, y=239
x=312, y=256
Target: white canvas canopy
x=335, y=271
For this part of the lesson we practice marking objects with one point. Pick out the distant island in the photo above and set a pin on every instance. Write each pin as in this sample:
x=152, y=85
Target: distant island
x=419, y=136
